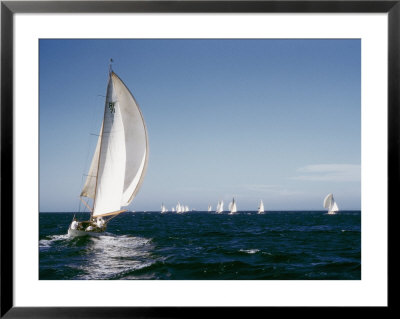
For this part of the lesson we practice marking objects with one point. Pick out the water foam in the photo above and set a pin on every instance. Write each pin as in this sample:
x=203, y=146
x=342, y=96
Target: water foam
x=47, y=243
x=112, y=256
x=249, y=251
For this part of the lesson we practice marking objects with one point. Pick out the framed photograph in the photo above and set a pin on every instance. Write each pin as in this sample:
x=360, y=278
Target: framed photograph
x=163, y=155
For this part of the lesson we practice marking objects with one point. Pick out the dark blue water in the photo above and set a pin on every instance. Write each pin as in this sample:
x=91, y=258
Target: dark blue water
x=201, y=245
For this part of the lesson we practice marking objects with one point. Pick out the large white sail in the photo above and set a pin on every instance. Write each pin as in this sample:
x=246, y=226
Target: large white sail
x=120, y=159
x=261, y=207
x=90, y=184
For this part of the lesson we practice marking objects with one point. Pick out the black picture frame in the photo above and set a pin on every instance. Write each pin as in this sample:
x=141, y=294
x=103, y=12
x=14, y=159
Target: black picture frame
x=9, y=8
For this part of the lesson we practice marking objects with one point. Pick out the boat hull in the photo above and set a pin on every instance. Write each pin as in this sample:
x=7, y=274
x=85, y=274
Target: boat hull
x=80, y=233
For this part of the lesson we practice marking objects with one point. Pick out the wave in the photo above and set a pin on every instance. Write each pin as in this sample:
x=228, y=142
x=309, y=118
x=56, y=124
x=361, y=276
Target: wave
x=249, y=251
x=112, y=256
x=50, y=240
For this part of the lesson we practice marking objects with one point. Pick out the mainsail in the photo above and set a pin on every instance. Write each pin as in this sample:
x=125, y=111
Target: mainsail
x=120, y=159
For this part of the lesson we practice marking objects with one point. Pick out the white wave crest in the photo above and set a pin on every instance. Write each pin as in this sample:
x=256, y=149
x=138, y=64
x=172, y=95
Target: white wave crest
x=46, y=243
x=110, y=256
x=249, y=251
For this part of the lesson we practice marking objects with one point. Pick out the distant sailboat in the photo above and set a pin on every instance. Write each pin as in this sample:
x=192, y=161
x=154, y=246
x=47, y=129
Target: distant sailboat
x=180, y=208
x=173, y=209
x=119, y=161
x=209, y=208
x=163, y=209
x=330, y=205
x=232, y=207
x=220, y=207
x=261, y=208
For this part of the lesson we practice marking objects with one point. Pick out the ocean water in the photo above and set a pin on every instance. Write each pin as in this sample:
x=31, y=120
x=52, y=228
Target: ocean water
x=278, y=245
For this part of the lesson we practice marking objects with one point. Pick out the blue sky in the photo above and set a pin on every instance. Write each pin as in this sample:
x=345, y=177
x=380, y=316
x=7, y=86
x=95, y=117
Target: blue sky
x=277, y=120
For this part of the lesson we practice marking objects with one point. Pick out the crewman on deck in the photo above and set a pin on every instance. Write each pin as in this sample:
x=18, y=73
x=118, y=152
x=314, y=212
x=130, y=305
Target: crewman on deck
x=100, y=222
x=74, y=224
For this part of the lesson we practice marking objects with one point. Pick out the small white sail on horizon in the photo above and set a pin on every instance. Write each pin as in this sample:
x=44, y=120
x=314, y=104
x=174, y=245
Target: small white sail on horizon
x=209, y=208
x=261, y=207
x=232, y=207
x=178, y=208
x=330, y=204
x=163, y=209
x=220, y=207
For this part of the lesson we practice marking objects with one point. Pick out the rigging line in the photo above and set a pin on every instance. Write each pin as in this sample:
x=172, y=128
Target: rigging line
x=100, y=146
x=79, y=206
x=86, y=204
x=92, y=121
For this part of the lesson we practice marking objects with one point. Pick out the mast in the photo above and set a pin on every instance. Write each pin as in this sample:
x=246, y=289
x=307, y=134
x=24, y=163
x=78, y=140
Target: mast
x=101, y=138
x=110, y=66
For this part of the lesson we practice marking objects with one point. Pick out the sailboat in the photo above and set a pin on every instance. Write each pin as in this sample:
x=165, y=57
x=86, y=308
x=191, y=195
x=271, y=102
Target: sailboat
x=232, y=207
x=261, y=208
x=209, y=208
x=163, y=209
x=330, y=204
x=119, y=161
x=220, y=207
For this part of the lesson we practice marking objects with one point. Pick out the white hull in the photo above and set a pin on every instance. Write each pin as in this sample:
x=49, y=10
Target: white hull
x=331, y=213
x=79, y=233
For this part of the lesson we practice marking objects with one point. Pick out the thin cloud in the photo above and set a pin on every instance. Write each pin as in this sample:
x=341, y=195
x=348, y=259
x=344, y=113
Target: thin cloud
x=330, y=173
x=275, y=190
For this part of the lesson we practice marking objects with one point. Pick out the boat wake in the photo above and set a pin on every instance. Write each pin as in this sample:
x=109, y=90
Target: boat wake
x=106, y=256
x=109, y=257
x=54, y=239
